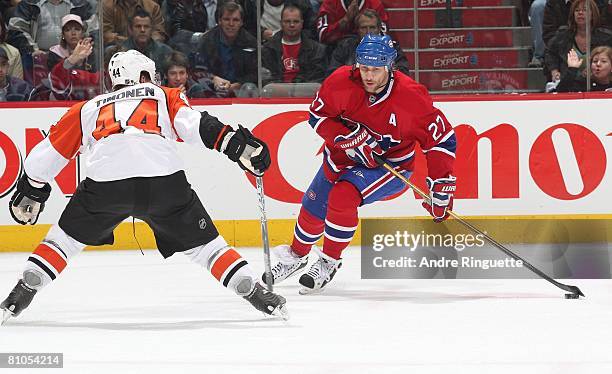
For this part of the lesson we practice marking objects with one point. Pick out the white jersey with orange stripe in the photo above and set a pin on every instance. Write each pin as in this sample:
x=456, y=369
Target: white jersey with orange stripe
x=128, y=133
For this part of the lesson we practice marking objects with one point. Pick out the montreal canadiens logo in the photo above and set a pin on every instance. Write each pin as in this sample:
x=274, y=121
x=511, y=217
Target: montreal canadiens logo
x=311, y=195
x=384, y=141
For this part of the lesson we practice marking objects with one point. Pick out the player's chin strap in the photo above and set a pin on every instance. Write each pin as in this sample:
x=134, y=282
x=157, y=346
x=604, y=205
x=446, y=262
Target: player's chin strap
x=573, y=289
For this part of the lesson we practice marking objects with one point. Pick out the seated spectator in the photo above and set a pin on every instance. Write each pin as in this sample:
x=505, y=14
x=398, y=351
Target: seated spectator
x=12, y=88
x=367, y=22
x=72, y=63
x=229, y=51
x=271, y=16
x=573, y=36
x=249, y=14
x=187, y=15
x=176, y=71
x=337, y=18
x=118, y=13
x=15, y=67
x=556, y=14
x=290, y=56
x=36, y=25
x=140, y=31
x=601, y=72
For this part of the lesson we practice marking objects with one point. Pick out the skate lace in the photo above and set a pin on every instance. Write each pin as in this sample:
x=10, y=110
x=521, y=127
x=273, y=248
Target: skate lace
x=321, y=267
x=281, y=269
x=287, y=263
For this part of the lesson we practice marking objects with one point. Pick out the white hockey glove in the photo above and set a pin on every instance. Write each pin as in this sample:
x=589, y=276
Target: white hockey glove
x=28, y=201
x=360, y=146
x=441, y=195
x=250, y=153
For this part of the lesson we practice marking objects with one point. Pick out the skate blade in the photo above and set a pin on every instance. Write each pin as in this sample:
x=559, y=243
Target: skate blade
x=6, y=315
x=281, y=312
x=310, y=291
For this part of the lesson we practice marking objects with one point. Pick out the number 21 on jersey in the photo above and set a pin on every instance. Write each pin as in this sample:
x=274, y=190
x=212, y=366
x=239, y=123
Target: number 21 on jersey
x=144, y=117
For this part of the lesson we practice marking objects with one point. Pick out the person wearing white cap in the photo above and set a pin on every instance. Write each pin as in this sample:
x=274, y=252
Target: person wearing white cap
x=71, y=63
x=36, y=24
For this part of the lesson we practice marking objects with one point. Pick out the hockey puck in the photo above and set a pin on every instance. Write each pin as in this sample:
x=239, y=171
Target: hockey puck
x=571, y=296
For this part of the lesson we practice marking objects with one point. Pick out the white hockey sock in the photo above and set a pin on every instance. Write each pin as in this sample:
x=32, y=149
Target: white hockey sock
x=50, y=258
x=225, y=264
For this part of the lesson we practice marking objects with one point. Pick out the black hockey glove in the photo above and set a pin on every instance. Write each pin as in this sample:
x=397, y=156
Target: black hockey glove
x=28, y=201
x=250, y=153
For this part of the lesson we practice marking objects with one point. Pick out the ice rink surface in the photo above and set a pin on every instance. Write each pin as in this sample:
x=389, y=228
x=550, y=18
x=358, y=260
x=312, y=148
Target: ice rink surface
x=122, y=312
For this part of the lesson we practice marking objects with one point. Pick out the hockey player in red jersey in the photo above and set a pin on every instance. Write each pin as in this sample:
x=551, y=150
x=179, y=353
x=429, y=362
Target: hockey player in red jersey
x=337, y=17
x=128, y=137
x=361, y=111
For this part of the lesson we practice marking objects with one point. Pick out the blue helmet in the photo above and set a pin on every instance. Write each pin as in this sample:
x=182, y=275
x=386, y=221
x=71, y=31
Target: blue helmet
x=376, y=50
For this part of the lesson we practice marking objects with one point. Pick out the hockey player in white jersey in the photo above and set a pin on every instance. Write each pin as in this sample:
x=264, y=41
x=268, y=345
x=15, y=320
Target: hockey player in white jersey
x=128, y=137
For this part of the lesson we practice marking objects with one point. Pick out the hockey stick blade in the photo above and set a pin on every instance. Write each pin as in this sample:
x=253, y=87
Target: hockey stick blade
x=573, y=289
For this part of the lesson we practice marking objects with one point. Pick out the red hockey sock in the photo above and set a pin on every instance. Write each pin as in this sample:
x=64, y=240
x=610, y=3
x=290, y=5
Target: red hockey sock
x=308, y=230
x=342, y=219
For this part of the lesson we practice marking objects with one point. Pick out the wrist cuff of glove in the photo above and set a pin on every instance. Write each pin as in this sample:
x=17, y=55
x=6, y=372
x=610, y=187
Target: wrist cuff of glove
x=222, y=138
x=231, y=146
x=28, y=188
x=235, y=142
x=225, y=141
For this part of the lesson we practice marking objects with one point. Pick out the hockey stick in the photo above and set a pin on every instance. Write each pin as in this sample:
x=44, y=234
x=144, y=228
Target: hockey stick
x=573, y=289
x=264, y=232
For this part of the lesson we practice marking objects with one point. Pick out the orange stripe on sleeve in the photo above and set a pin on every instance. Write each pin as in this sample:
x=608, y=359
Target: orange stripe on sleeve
x=223, y=262
x=220, y=137
x=52, y=257
x=174, y=101
x=67, y=134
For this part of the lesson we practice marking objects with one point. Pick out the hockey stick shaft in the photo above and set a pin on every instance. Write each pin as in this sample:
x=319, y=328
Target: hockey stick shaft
x=573, y=289
x=264, y=232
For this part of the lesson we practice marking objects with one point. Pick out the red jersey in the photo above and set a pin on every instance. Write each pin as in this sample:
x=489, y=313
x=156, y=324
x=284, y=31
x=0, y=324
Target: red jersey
x=329, y=27
x=399, y=117
x=291, y=66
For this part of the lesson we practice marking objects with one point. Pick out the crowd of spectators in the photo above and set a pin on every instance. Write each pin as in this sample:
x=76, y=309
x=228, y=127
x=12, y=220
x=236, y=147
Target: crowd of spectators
x=208, y=48
x=559, y=29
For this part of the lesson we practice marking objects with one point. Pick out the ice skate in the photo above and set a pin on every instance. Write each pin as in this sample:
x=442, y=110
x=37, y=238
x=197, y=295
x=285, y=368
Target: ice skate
x=268, y=302
x=20, y=297
x=319, y=274
x=288, y=264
